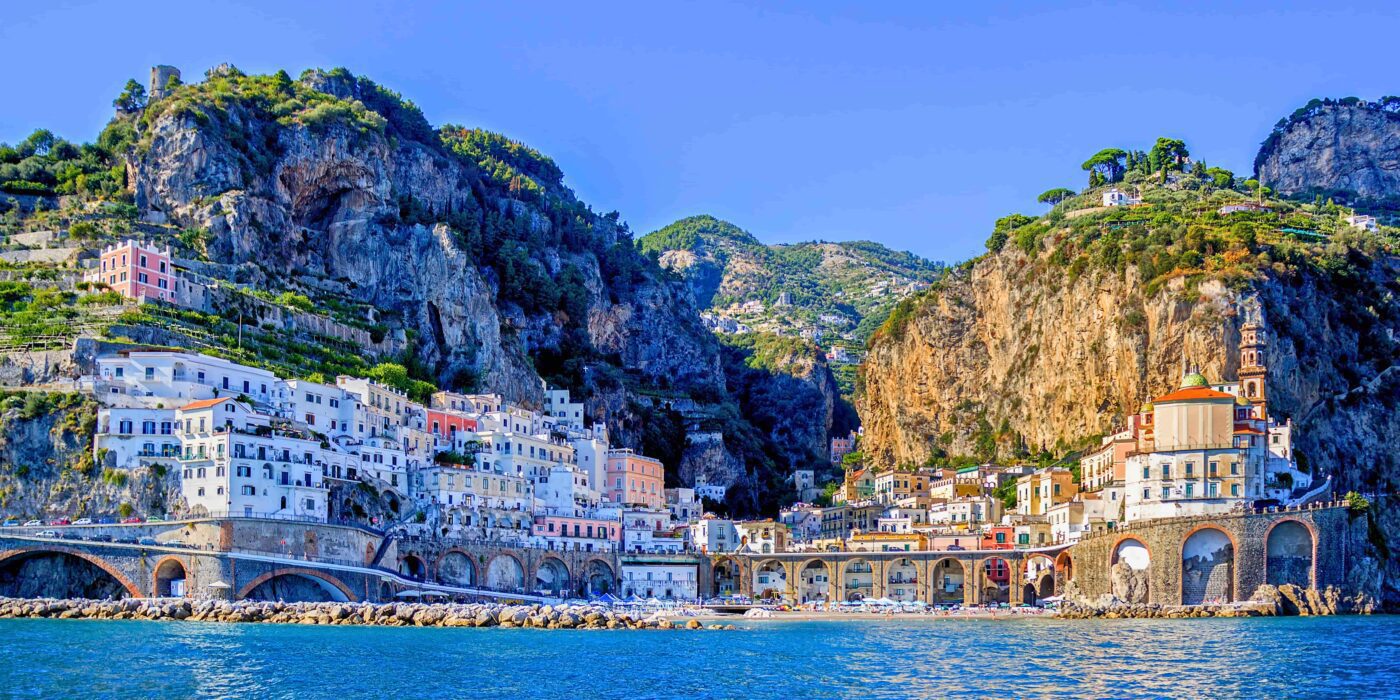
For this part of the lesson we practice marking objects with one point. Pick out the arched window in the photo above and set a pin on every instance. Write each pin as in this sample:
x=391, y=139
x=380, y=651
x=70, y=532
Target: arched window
x=284, y=503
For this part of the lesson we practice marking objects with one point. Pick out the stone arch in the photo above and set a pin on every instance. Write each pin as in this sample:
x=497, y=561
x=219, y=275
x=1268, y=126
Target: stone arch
x=770, y=579
x=1129, y=567
x=858, y=579
x=815, y=584
x=598, y=578
x=902, y=580
x=169, y=577
x=456, y=568
x=412, y=566
x=994, y=579
x=19, y=581
x=1208, y=565
x=552, y=576
x=1290, y=548
x=1064, y=570
x=505, y=572
x=947, y=580
x=726, y=573
x=279, y=584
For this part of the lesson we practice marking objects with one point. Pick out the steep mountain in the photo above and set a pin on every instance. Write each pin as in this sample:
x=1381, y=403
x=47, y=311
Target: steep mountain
x=842, y=291
x=330, y=202
x=1348, y=149
x=1073, y=320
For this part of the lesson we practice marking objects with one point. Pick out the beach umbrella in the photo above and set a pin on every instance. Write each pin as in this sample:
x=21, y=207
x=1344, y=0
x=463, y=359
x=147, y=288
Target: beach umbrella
x=608, y=598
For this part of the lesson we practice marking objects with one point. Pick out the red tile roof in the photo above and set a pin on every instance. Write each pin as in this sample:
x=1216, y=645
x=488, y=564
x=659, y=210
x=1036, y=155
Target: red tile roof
x=203, y=403
x=1194, y=394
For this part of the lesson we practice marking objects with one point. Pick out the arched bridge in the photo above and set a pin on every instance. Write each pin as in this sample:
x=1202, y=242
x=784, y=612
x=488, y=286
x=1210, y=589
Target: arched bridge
x=966, y=577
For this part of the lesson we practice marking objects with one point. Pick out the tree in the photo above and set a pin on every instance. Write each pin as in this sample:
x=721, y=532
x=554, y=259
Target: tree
x=1166, y=155
x=132, y=99
x=1055, y=196
x=1108, y=163
x=1001, y=232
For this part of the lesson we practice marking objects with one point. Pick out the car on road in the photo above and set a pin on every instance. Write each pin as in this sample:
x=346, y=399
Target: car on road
x=70, y=535
x=33, y=523
x=126, y=540
x=148, y=541
x=83, y=521
x=131, y=520
x=47, y=533
x=10, y=523
x=155, y=519
x=101, y=538
x=106, y=520
x=60, y=521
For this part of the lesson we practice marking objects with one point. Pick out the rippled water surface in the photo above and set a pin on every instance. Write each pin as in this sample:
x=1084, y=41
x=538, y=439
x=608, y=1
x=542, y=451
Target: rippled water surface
x=1293, y=657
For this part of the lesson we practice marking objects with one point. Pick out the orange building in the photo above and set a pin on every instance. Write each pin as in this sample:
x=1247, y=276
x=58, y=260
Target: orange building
x=633, y=479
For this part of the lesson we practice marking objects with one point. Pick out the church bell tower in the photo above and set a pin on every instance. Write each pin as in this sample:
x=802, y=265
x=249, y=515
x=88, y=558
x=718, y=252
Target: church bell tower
x=1253, y=369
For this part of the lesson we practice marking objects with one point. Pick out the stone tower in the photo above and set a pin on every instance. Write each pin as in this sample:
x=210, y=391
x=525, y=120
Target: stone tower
x=160, y=77
x=1253, y=370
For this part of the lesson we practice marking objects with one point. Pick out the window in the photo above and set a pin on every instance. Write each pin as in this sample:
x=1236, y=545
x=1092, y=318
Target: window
x=124, y=427
x=1234, y=489
x=1166, y=493
x=1190, y=468
x=1147, y=472
x=1235, y=468
x=1166, y=471
x=1190, y=490
x=1214, y=468
x=1212, y=489
x=248, y=490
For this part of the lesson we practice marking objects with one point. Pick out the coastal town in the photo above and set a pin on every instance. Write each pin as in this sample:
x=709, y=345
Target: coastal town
x=247, y=444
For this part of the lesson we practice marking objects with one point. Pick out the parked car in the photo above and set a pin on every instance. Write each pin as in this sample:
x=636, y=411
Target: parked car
x=148, y=541
x=101, y=538
x=126, y=540
x=10, y=523
x=48, y=533
x=33, y=523
x=83, y=521
x=60, y=521
x=70, y=535
x=132, y=519
x=106, y=520
x=155, y=519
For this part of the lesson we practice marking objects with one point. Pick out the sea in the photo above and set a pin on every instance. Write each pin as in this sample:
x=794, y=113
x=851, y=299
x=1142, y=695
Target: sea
x=1317, y=657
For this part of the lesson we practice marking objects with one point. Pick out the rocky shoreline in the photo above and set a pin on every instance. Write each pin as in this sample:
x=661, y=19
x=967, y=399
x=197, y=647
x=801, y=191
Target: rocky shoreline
x=385, y=615
x=1268, y=601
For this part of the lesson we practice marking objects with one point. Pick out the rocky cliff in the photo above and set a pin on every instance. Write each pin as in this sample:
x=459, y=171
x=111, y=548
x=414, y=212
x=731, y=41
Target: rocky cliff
x=448, y=235
x=48, y=469
x=1052, y=342
x=1335, y=147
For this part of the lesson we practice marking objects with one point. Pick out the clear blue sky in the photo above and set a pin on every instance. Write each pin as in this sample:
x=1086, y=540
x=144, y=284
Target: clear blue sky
x=911, y=124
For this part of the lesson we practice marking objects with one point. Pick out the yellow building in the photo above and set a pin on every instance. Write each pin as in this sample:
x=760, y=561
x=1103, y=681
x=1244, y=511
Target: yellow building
x=1038, y=491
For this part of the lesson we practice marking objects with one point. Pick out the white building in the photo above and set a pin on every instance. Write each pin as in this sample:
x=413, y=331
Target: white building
x=183, y=377
x=714, y=535
x=126, y=438
x=558, y=406
x=329, y=410
x=235, y=462
x=1118, y=198
x=660, y=579
x=1362, y=221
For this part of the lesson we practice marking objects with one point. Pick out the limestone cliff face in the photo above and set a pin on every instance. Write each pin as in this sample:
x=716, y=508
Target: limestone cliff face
x=47, y=470
x=1334, y=147
x=1001, y=353
x=325, y=206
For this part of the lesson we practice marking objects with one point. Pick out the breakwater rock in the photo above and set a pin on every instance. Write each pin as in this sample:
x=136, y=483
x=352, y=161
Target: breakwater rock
x=388, y=615
x=1268, y=601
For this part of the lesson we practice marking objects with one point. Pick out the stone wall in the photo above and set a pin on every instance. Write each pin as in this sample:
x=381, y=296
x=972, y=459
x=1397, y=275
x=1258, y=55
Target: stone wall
x=1186, y=567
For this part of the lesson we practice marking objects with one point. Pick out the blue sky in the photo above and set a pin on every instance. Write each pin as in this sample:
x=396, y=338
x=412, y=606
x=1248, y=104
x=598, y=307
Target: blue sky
x=911, y=124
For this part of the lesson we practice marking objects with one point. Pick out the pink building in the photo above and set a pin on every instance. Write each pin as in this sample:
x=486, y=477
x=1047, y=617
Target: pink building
x=583, y=534
x=446, y=424
x=632, y=479
x=137, y=271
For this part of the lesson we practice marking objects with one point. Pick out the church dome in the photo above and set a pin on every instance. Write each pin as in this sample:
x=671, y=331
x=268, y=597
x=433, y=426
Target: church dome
x=1241, y=401
x=1193, y=380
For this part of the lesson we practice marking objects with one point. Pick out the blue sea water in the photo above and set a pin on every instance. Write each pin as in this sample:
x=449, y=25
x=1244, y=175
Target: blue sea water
x=1355, y=657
